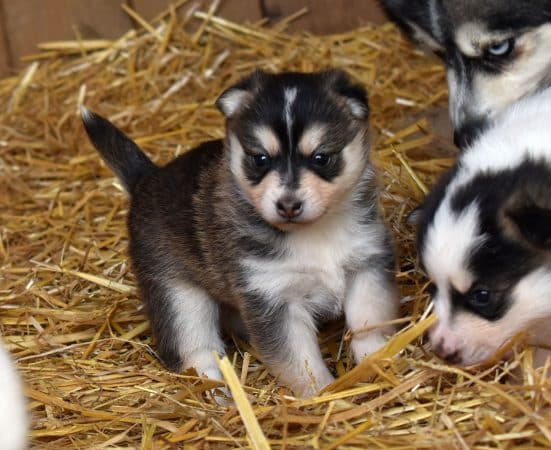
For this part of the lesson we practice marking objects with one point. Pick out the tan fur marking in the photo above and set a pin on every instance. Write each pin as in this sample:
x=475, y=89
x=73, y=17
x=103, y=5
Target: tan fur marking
x=257, y=193
x=268, y=140
x=473, y=37
x=311, y=139
x=324, y=195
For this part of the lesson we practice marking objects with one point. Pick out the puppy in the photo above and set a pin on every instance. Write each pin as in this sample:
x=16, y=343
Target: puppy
x=484, y=238
x=14, y=419
x=495, y=51
x=269, y=232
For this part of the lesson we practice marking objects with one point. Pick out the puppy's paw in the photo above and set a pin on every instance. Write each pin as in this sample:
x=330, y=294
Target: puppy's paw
x=311, y=384
x=364, y=344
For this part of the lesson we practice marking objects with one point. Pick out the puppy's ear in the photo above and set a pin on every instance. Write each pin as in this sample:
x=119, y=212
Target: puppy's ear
x=415, y=18
x=416, y=215
x=235, y=98
x=353, y=93
x=533, y=224
x=527, y=215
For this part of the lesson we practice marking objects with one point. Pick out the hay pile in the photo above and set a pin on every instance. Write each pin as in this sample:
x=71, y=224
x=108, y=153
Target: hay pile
x=69, y=309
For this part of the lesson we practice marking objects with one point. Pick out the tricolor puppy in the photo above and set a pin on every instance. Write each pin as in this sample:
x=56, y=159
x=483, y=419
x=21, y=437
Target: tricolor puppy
x=484, y=238
x=496, y=52
x=276, y=228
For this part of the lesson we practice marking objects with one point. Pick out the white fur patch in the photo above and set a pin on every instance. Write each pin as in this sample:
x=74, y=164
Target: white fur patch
x=195, y=315
x=370, y=301
x=290, y=95
x=86, y=114
x=521, y=133
x=14, y=419
x=359, y=111
x=232, y=100
x=236, y=157
x=315, y=260
x=449, y=240
x=306, y=372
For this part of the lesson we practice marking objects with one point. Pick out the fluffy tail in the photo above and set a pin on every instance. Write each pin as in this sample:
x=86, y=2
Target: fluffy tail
x=120, y=153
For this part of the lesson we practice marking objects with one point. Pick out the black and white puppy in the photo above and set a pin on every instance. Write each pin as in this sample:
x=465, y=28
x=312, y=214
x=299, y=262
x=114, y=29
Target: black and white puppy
x=277, y=227
x=496, y=52
x=484, y=238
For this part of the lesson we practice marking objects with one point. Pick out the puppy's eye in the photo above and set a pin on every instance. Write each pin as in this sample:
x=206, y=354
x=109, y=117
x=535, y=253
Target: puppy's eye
x=261, y=160
x=501, y=49
x=480, y=298
x=320, y=159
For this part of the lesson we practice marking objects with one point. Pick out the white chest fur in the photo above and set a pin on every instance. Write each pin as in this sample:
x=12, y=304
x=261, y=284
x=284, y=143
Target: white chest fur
x=315, y=261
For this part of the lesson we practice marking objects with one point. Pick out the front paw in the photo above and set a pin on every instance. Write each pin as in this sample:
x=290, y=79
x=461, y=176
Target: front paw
x=310, y=384
x=364, y=344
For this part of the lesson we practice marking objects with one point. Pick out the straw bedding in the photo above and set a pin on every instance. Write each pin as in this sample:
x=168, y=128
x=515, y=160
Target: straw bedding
x=70, y=313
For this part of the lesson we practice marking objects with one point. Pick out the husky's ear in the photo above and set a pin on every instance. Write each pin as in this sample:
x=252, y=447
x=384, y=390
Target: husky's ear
x=416, y=19
x=527, y=215
x=238, y=96
x=533, y=224
x=353, y=93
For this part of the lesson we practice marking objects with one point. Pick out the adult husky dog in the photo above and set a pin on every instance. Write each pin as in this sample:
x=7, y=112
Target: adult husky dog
x=496, y=52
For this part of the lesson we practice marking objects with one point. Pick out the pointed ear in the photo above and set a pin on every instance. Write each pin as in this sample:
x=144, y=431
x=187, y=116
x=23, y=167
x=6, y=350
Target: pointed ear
x=235, y=98
x=353, y=93
x=532, y=224
x=415, y=216
x=526, y=215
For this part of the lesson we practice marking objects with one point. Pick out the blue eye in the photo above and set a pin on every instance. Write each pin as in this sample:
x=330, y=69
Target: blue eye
x=321, y=159
x=480, y=298
x=261, y=160
x=502, y=48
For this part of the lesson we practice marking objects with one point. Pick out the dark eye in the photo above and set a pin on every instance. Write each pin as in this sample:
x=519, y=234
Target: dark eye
x=501, y=49
x=261, y=160
x=480, y=298
x=321, y=159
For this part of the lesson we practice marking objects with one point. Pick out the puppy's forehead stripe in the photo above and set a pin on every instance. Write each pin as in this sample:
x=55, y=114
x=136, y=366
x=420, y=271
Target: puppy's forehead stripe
x=290, y=94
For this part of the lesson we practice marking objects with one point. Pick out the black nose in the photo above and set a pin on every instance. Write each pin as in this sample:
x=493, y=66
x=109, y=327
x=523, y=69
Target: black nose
x=289, y=207
x=467, y=133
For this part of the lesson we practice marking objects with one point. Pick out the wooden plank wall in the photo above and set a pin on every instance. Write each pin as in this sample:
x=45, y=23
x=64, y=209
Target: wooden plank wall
x=25, y=23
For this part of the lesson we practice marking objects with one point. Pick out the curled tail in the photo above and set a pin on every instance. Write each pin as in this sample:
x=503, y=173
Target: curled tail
x=120, y=153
